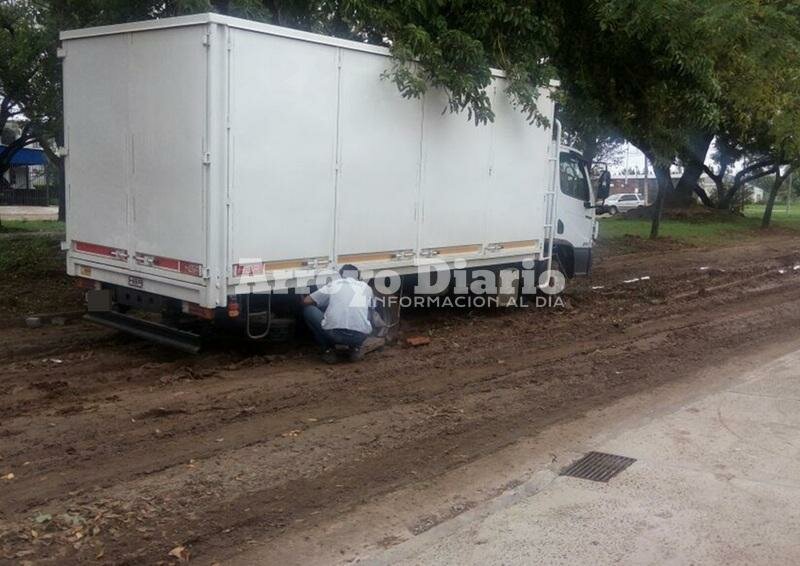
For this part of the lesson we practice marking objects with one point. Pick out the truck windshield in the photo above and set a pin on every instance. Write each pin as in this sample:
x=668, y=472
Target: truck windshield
x=574, y=181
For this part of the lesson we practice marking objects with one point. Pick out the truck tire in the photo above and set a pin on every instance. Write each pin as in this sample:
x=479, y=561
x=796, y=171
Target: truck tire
x=613, y=210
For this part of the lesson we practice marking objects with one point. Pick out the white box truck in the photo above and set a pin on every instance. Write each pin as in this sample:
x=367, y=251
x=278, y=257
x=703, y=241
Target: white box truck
x=210, y=160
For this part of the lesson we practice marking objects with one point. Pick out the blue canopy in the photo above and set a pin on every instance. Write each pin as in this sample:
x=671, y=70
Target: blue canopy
x=27, y=156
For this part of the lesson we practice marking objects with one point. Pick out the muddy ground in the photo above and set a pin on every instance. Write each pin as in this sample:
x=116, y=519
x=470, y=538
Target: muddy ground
x=115, y=451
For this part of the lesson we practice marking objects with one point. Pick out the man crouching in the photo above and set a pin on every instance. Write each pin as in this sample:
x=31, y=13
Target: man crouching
x=338, y=314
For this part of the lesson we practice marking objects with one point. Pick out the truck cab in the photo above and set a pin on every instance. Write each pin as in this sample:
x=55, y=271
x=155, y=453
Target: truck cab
x=576, y=225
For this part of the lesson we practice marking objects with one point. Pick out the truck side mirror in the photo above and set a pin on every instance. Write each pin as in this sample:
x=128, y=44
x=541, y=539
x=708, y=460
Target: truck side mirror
x=603, y=185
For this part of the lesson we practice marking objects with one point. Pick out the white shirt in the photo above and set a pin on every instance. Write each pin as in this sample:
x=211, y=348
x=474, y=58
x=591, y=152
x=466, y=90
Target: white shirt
x=346, y=303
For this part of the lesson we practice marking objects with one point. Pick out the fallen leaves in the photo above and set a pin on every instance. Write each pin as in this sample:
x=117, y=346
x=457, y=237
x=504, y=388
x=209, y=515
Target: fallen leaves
x=181, y=553
x=416, y=341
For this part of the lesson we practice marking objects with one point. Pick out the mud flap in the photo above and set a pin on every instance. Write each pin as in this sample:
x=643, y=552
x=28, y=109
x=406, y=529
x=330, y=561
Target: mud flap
x=98, y=300
x=582, y=261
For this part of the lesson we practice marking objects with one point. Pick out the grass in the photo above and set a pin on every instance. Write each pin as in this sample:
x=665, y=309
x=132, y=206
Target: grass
x=30, y=256
x=12, y=226
x=33, y=277
x=781, y=217
x=705, y=229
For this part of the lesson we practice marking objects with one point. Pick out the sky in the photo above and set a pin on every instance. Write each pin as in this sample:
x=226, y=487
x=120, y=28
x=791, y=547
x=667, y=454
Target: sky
x=630, y=158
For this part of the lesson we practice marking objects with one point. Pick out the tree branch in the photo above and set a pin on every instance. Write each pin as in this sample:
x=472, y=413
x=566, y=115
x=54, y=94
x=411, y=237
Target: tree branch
x=760, y=174
x=711, y=175
x=54, y=158
x=25, y=138
x=701, y=192
x=766, y=162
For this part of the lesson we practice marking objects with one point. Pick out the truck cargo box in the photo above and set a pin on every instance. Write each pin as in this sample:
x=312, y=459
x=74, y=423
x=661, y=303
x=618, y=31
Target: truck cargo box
x=209, y=154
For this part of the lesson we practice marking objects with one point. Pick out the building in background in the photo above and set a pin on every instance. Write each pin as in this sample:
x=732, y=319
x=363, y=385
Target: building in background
x=27, y=179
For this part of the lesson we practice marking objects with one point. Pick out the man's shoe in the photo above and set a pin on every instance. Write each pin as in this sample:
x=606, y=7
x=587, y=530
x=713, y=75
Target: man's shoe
x=329, y=356
x=355, y=354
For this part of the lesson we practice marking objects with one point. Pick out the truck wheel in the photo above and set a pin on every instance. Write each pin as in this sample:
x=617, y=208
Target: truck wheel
x=613, y=211
x=557, y=267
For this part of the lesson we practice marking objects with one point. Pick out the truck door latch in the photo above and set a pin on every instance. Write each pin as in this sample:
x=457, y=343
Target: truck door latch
x=142, y=259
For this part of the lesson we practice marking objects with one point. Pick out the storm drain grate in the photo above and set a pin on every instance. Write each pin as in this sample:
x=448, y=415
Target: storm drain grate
x=597, y=466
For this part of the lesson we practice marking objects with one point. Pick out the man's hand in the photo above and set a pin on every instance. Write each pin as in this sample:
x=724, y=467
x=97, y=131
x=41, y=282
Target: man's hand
x=307, y=300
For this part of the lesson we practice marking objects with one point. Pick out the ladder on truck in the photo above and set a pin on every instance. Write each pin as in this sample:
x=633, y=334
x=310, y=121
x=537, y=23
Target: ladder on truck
x=551, y=198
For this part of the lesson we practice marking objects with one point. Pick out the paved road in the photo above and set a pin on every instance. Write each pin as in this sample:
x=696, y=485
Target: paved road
x=716, y=481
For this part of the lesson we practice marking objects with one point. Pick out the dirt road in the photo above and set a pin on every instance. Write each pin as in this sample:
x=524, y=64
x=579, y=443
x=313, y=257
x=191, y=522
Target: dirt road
x=117, y=451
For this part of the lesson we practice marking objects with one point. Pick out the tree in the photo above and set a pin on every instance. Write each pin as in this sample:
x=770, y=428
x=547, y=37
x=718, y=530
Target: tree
x=668, y=75
x=642, y=69
x=22, y=83
x=780, y=177
x=671, y=75
x=13, y=138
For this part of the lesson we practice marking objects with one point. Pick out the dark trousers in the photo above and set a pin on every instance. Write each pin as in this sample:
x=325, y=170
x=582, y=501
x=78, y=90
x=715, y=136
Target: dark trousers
x=330, y=338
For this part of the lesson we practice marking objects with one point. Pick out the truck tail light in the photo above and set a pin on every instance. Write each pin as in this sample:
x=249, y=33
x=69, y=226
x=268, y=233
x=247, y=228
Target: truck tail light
x=233, y=307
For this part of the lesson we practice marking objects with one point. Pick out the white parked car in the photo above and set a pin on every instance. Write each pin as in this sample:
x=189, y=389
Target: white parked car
x=623, y=202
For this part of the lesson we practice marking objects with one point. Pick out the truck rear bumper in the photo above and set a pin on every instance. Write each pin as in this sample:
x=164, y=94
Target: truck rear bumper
x=152, y=331
x=123, y=277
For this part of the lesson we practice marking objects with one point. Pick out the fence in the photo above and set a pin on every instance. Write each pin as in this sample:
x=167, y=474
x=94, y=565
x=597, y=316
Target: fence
x=25, y=197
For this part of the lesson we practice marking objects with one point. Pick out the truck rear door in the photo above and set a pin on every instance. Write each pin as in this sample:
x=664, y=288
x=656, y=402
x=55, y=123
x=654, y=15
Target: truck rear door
x=168, y=131
x=135, y=165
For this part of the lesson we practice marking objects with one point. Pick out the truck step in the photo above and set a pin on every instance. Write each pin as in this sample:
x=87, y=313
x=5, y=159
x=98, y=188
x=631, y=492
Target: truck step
x=152, y=331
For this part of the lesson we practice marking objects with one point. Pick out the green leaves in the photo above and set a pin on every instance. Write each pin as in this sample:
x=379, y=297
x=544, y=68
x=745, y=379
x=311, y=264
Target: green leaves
x=454, y=46
x=662, y=71
x=658, y=72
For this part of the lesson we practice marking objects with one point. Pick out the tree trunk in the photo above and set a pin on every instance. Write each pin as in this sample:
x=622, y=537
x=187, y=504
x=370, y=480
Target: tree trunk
x=590, y=150
x=726, y=200
x=62, y=192
x=703, y=196
x=664, y=189
x=58, y=162
x=694, y=161
x=773, y=194
x=684, y=190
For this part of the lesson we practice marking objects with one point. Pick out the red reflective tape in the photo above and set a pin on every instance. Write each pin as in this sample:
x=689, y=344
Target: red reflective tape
x=172, y=264
x=193, y=269
x=248, y=269
x=166, y=263
x=97, y=249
